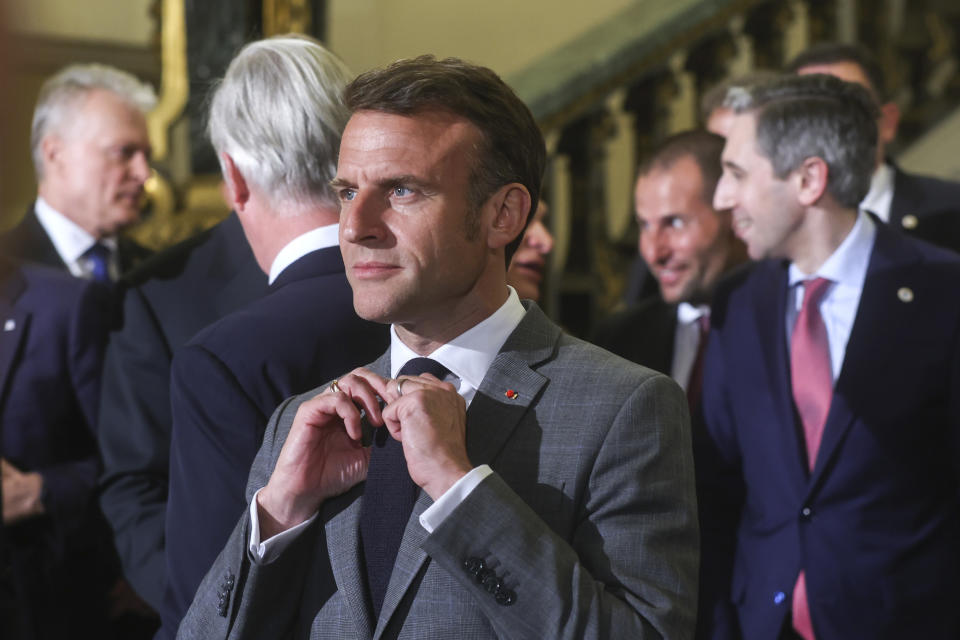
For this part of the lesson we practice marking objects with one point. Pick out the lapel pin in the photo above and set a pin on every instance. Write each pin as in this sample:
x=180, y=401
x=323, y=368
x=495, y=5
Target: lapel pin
x=909, y=221
x=513, y=395
x=10, y=325
x=905, y=294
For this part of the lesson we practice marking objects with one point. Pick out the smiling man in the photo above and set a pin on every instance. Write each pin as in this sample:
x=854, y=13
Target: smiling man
x=521, y=483
x=688, y=246
x=830, y=388
x=91, y=154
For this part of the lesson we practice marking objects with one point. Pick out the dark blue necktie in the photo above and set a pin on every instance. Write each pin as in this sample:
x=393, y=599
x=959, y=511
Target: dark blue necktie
x=99, y=258
x=388, y=498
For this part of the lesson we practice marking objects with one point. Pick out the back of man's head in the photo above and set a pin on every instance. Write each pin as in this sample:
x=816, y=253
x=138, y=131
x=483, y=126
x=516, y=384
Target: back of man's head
x=60, y=94
x=513, y=150
x=832, y=53
x=799, y=117
x=279, y=114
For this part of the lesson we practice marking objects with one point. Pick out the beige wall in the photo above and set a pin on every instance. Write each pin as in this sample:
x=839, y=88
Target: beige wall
x=114, y=21
x=505, y=35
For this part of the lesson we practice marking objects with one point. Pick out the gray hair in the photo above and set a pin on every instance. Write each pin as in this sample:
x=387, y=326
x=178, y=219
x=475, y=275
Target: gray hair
x=800, y=117
x=60, y=93
x=279, y=114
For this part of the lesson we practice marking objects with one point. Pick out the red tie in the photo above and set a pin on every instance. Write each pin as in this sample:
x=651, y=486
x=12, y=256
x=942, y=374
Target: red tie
x=811, y=376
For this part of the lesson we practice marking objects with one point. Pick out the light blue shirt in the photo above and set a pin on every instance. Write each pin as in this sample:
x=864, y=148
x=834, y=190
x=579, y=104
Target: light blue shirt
x=847, y=269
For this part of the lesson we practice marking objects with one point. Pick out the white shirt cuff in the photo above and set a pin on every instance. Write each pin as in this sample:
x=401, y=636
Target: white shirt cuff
x=445, y=504
x=269, y=550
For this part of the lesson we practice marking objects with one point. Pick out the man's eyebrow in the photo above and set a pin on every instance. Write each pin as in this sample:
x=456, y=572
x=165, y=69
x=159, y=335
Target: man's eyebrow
x=337, y=183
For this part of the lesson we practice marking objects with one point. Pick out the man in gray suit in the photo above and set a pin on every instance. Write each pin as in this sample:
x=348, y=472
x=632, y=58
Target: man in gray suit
x=530, y=485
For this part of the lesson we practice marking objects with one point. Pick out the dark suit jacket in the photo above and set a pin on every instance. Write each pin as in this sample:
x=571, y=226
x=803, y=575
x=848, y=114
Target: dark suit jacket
x=225, y=384
x=927, y=208
x=166, y=301
x=876, y=524
x=28, y=240
x=588, y=518
x=643, y=333
x=56, y=567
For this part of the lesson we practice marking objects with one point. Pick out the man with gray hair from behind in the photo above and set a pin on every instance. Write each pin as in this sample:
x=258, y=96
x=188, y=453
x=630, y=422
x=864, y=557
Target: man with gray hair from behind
x=275, y=123
x=91, y=154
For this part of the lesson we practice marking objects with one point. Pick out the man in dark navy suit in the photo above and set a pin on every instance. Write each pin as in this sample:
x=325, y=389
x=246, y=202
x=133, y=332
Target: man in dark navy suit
x=923, y=206
x=275, y=122
x=56, y=566
x=830, y=390
x=91, y=154
x=166, y=301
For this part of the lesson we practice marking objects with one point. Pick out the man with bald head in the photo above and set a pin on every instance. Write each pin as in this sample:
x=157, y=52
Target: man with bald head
x=91, y=154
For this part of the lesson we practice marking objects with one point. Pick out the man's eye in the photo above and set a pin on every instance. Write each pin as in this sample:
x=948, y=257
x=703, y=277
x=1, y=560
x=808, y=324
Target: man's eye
x=346, y=195
x=401, y=192
x=676, y=223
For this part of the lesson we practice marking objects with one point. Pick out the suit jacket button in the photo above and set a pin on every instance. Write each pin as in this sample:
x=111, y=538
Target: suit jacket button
x=806, y=514
x=779, y=597
x=483, y=574
x=506, y=597
x=473, y=566
x=492, y=583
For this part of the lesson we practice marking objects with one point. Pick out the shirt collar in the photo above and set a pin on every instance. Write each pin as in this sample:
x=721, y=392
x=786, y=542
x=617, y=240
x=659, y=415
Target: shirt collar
x=688, y=313
x=880, y=196
x=469, y=355
x=847, y=265
x=319, y=238
x=69, y=239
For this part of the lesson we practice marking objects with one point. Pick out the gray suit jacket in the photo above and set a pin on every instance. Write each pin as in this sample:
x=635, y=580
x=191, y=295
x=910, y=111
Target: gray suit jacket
x=590, y=518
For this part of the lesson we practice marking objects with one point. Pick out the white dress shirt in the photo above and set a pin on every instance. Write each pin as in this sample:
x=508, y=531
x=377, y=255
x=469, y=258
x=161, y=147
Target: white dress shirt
x=847, y=269
x=71, y=241
x=468, y=357
x=686, y=341
x=319, y=238
x=880, y=196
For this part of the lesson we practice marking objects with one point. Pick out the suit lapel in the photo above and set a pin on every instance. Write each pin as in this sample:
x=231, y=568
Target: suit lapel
x=13, y=323
x=342, y=526
x=771, y=329
x=493, y=415
x=866, y=350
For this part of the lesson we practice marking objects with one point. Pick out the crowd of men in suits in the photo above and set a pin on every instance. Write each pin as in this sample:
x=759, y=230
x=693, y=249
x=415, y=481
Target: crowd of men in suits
x=340, y=412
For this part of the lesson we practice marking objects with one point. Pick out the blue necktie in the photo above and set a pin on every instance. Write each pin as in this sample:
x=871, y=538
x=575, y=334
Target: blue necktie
x=99, y=258
x=388, y=498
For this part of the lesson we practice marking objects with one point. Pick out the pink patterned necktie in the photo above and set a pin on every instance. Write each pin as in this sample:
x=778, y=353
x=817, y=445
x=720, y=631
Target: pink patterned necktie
x=811, y=378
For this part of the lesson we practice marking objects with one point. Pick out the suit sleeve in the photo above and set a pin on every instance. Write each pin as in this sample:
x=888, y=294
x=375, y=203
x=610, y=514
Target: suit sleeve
x=70, y=486
x=718, y=466
x=217, y=430
x=628, y=568
x=239, y=599
x=134, y=435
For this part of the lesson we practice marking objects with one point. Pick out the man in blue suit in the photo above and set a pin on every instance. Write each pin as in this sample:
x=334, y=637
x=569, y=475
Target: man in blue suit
x=57, y=564
x=275, y=122
x=831, y=385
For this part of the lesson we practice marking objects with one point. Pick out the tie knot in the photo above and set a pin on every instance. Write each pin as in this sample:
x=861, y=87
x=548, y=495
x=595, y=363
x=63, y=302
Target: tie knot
x=99, y=258
x=814, y=290
x=416, y=366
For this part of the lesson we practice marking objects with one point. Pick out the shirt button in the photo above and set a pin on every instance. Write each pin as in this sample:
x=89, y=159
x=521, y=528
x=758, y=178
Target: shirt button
x=806, y=513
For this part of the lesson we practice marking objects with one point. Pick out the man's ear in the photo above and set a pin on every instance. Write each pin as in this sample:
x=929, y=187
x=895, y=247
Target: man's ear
x=236, y=189
x=888, y=123
x=812, y=179
x=511, y=208
x=50, y=148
